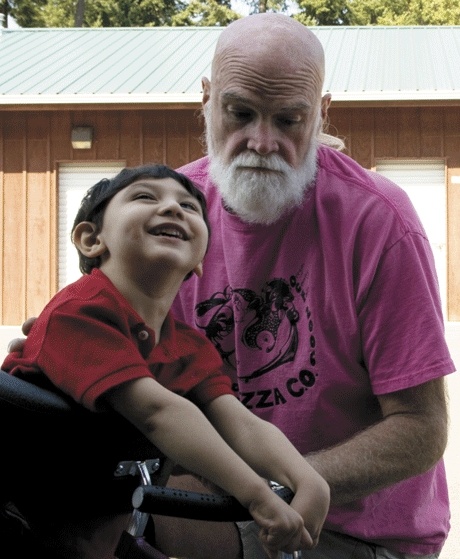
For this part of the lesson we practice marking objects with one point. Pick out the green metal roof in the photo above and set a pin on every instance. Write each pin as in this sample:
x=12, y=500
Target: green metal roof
x=165, y=64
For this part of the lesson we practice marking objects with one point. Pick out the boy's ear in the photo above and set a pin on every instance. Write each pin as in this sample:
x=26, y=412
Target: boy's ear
x=198, y=269
x=87, y=239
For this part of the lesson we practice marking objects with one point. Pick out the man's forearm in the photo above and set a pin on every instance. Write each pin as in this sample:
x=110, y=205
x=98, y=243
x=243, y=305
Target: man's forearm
x=402, y=445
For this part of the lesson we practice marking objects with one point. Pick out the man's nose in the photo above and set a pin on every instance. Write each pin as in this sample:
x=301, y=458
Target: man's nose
x=263, y=138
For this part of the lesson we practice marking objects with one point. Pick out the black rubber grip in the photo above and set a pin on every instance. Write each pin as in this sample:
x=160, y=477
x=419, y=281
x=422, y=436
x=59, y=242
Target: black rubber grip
x=167, y=501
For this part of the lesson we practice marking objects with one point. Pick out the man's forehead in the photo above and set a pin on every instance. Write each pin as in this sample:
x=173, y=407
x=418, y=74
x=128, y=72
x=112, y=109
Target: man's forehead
x=268, y=78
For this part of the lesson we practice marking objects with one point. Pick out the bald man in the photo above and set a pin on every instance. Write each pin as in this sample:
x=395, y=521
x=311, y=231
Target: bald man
x=321, y=295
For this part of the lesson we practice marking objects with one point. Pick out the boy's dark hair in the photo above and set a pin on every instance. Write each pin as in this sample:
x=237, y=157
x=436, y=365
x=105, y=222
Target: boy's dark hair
x=95, y=201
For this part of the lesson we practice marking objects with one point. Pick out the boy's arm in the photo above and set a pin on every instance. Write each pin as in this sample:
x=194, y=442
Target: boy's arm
x=183, y=433
x=268, y=451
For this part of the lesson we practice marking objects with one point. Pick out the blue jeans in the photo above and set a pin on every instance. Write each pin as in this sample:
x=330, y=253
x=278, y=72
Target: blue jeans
x=332, y=545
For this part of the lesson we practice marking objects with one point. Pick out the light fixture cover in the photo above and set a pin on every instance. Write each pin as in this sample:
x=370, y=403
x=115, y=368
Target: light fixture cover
x=82, y=137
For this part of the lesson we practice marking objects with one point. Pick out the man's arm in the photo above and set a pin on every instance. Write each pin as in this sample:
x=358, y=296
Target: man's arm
x=408, y=441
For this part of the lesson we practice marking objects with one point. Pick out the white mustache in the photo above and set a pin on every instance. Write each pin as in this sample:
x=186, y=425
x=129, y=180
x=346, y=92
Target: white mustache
x=271, y=162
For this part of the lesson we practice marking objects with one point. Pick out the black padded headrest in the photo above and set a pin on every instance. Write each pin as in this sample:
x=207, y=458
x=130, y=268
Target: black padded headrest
x=20, y=394
x=59, y=456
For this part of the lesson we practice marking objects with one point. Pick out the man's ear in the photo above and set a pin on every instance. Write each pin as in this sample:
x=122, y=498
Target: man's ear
x=206, y=85
x=87, y=239
x=325, y=103
x=198, y=270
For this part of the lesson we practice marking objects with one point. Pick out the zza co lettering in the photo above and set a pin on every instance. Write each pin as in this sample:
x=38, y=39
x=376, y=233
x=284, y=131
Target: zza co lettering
x=295, y=387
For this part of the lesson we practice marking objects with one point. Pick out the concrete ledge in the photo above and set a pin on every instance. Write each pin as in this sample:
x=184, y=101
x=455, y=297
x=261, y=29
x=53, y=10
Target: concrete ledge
x=7, y=333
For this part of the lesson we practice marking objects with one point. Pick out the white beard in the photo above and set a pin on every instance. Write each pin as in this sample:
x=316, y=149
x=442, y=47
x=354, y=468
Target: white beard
x=260, y=196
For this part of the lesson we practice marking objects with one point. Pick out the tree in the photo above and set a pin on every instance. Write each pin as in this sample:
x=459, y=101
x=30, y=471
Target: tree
x=120, y=13
x=379, y=12
x=205, y=12
x=128, y=13
x=79, y=13
x=262, y=6
x=141, y=13
x=415, y=12
x=5, y=10
x=27, y=13
x=323, y=12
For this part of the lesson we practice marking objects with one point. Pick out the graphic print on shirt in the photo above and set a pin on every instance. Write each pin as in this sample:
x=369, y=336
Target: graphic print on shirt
x=265, y=324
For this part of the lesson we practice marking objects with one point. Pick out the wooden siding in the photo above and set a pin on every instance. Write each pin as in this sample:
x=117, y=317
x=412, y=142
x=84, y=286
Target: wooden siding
x=33, y=143
x=412, y=133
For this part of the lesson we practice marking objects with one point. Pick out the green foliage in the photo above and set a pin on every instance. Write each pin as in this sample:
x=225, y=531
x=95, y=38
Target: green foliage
x=205, y=12
x=122, y=13
x=262, y=6
x=58, y=13
x=28, y=13
x=379, y=12
x=323, y=12
x=128, y=13
x=417, y=12
x=141, y=13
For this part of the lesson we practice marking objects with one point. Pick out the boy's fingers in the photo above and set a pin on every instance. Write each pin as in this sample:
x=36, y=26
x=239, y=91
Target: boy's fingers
x=307, y=541
x=287, y=543
x=272, y=554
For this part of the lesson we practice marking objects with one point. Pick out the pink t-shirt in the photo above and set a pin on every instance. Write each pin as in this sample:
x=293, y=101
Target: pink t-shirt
x=316, y=315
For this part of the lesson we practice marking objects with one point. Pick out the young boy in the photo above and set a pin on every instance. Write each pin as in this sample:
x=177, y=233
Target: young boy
x=109, y=340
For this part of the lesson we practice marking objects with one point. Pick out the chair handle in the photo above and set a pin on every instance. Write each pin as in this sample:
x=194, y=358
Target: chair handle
x=167, y=501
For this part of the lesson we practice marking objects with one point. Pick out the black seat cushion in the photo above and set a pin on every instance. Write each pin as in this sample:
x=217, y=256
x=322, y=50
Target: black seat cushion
x=58, y=456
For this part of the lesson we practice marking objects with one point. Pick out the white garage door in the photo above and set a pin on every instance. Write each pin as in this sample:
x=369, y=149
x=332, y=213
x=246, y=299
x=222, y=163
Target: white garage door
x=74, y=179
x=425, y=183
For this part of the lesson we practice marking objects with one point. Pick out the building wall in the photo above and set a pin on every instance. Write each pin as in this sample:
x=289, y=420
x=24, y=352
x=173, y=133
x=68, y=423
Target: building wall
x=31, y=146
x=412, y=133
x=33, y=143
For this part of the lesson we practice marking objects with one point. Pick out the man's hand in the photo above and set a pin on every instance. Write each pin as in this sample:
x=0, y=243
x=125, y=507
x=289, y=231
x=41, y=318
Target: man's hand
x=18, y=343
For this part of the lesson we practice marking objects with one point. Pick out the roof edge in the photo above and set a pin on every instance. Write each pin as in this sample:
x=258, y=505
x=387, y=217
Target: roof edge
x=194, y=98
x=94, y=99
x=365, y=96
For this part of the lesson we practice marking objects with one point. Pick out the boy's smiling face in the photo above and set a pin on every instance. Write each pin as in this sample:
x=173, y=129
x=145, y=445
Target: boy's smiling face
x=153, y=221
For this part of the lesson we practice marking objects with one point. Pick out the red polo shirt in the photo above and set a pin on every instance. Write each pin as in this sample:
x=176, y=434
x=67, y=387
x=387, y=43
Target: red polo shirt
x=89, y=339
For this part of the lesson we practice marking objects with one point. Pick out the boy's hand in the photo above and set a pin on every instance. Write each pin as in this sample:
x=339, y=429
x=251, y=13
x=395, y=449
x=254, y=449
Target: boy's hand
x=281, y=527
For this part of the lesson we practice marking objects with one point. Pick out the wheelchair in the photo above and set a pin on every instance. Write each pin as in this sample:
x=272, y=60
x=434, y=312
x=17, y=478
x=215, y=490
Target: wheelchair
x=62, y=463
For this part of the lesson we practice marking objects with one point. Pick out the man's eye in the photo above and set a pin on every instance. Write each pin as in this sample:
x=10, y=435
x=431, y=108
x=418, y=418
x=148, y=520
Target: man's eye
x=289, y=121
x=239, y=114
x=144, y=196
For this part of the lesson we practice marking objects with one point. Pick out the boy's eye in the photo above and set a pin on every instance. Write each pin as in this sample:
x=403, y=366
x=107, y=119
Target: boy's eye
x=144, y=196
x=190, y=206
